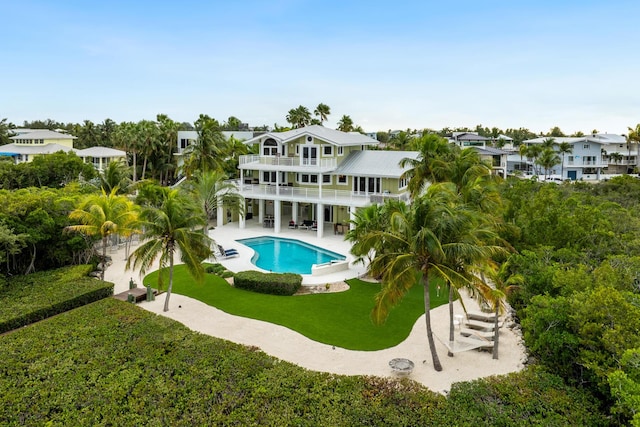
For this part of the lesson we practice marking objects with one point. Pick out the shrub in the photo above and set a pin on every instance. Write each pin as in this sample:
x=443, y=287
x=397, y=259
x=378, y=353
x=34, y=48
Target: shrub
x=30, y=298
x=268, y=283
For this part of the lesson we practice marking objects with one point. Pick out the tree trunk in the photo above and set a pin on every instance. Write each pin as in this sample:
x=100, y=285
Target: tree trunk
x=451, y=327
x=104, y=257
x=32, y=264
x=427, y=311
x=496, y=332
x=166, y=300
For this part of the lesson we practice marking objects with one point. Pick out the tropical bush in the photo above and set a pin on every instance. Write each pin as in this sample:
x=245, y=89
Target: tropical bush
x=268, y=283
x=30, y=298
x=114, y=363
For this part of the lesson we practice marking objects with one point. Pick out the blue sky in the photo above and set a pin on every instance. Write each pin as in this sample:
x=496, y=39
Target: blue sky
x=388, y=65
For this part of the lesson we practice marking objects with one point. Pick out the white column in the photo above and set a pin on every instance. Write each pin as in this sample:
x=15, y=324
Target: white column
x=241, y=218
x=294, y=212
x=320, y=219
x=352, y=216
x=260, y=211
x=277, y=215
x=220, y=214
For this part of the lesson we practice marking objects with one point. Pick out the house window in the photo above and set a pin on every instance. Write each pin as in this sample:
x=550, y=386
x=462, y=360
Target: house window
x=342, y=179
x=183, y=143
x=306, y=178
x=340, y=151
x=270, y=147
x=402, y=183
x=327, y=150
x=326, y=179
x=585, y=146
x=270, y=177
x=297, y=149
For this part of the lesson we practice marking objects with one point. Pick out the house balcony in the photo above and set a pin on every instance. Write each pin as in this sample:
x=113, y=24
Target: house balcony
x=286, y=164
x=587, y=163
x=314, y=195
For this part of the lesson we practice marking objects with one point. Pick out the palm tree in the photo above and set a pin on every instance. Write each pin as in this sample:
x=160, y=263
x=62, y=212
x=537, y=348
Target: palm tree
x=533, y=152
x=168, y=135
x=117, y=175
x=206, y=153
x=105, y=215
x=434, y=151
x=299, y=117
x=174, y=226
x=322, y=111
x=126, y=138
x=564, y=148
x=503, y=284
x=211, y=190
x=413, y=252
x=548, y=159
x=368, y=219
x=522, y=149
x=345, y=124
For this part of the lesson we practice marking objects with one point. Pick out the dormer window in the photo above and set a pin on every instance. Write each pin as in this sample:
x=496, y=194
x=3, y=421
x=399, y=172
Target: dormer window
x=327, y=150
x=270, y=147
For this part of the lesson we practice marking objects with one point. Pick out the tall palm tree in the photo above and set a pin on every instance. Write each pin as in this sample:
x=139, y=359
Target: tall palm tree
x=413, y=252
x=548, y=159
x=564, y=148
x=299, y=117
x=105, y=215
x=345, y=124
x=211, y=190
x=322, y=111
x=533, y=152
x=117, y=175
x=168, y=135
x=367, y=220
x=433, y=154
x=174, y=226
x=503, y=283
x=522, y=150
x=126, y=138
x=206, y=153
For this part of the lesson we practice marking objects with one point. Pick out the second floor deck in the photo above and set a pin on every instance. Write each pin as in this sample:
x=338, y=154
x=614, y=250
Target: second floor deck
x=284, y=163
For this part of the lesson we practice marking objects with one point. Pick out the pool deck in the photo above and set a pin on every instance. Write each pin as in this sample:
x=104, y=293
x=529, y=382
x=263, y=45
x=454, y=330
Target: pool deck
x=229, y=233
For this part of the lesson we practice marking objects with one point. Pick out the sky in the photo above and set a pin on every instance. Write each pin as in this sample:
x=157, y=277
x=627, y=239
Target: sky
x=386, y=64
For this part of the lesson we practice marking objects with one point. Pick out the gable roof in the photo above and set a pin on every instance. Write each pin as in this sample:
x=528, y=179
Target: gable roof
x=374, y=163
x=41, y=134
x=331, y=136
x=15, y=149
x=100, y=152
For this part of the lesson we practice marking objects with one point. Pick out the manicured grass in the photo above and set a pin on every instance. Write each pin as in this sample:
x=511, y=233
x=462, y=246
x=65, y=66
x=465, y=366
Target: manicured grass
x=341, y=319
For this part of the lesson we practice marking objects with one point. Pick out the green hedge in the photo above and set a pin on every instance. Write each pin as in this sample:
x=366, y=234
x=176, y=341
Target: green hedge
x=30, y=298
x=268, y=283
x=113, y=363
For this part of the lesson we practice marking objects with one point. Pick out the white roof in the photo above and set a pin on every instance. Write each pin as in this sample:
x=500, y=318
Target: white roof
x=101, y=152
x=331, y=136
x=374, y=163
x=12, y=149
x=600, y=138
x=41, y=134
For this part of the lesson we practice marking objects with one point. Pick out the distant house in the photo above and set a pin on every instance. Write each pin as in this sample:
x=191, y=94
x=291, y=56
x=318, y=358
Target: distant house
x=469, y=139
x=29, y=143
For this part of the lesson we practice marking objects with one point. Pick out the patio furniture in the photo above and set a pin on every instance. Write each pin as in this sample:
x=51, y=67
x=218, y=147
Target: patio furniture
x=227, y=253
x=473, y=333
x=479, y=315
x=401, y=366
x=306, y=224
x=292, y=224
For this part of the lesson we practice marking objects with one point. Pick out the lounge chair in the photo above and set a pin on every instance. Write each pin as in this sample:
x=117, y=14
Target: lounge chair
x=314, y=226
x=473, y=333
x=306, y=224
x=292, y=224
x=227, y=253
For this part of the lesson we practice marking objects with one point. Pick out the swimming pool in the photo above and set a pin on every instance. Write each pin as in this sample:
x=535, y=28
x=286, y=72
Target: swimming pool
x=287, y=255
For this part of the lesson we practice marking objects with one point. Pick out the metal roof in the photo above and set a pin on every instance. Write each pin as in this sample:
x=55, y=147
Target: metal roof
x=42, y=134
x=33, y=149
x=100, y=152
x=375, y=163
x=331, y=136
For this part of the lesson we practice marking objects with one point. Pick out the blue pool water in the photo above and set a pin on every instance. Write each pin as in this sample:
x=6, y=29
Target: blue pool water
x=287, y=255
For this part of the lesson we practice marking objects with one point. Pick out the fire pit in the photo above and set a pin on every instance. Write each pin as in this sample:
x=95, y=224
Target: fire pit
x=401, y=366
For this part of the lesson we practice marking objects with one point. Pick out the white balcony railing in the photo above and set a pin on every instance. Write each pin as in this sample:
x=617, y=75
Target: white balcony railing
x=313, y=195
x=293, y=162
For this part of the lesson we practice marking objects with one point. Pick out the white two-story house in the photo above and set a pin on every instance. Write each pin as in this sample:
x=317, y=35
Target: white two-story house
x=316, y=175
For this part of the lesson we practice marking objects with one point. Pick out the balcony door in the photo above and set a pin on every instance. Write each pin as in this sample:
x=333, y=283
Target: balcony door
x=309, y=155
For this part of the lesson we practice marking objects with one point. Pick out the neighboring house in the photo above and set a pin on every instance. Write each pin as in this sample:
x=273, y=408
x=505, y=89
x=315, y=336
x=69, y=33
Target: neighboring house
x=29, y=143
x=316, y=174
x=496, y=157
x=584, y=162
x=189, y=137
x=469, y=139
x=620, y=154
x=100, y=157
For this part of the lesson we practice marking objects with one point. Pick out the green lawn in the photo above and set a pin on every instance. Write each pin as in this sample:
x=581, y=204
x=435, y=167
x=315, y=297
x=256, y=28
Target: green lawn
x=341, y=319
